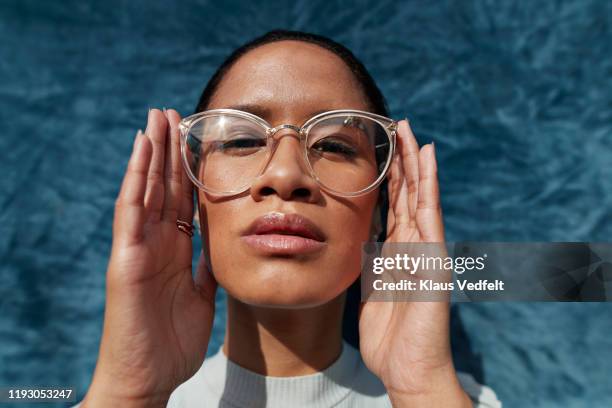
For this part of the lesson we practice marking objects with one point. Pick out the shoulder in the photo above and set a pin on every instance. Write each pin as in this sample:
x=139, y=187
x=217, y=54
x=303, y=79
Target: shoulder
x=369, y=391
x=366, y=388
x=481, y=395
x=200, y=388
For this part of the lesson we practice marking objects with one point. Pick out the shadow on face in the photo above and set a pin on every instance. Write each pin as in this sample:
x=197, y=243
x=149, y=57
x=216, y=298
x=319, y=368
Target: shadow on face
x=287, y=82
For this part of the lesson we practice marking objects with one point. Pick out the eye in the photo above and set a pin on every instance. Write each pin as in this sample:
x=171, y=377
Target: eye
x=335, y=146
x=240, y=145
x=243, y=143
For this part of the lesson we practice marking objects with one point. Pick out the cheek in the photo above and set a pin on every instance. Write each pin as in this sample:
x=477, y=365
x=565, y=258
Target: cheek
x=221, y=223
x=349, y=230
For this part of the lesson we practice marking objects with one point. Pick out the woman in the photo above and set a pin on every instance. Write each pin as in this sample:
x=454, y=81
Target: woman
x=282, y=227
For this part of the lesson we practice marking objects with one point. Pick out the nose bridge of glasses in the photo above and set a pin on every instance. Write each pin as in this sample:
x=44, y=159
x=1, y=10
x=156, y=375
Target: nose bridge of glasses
x=277, y=133
x=273, y=131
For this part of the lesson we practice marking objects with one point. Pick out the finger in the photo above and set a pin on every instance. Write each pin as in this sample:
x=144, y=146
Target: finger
x=394, y=183
x=409, y=152
x=157, y=126
x=405, y=208
x=186, y=203
x=205, y=282
x=130, y=212
x=172, y=178
x=429, y=210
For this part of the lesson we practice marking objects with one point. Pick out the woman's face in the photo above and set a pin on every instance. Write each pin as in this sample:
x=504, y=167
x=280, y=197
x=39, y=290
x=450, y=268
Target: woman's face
x=286, y=82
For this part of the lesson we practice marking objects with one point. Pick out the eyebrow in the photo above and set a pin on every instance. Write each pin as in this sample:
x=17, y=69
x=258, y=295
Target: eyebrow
x=264, y=112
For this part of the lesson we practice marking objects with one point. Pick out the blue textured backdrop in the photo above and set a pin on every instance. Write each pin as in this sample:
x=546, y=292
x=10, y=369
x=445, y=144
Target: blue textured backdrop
x=516, y=95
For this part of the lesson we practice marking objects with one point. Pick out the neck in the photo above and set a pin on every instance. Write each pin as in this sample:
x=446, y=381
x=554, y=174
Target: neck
x=284, y=342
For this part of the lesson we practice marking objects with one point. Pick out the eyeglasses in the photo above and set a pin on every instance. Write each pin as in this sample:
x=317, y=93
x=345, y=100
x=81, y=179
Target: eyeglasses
x=348, y=152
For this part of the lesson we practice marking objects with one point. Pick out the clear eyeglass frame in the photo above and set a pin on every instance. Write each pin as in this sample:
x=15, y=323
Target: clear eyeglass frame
x=389, y=125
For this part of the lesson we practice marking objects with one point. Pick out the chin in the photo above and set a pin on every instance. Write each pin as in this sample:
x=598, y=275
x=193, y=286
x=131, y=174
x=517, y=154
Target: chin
x=283, y=289
x=283, y=302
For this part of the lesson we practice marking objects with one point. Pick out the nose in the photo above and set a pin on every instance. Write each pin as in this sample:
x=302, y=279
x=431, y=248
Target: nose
x=286, y=174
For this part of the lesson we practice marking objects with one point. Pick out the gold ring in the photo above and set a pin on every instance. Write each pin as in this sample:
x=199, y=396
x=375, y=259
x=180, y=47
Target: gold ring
x=186, y=227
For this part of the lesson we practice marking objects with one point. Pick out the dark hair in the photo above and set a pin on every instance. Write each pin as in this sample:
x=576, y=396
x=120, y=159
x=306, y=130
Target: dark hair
x=350, y=324
x=375, y=97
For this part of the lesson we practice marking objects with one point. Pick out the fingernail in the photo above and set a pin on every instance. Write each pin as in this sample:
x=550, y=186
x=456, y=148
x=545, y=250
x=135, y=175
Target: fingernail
x=149, y=116
x=137, y=140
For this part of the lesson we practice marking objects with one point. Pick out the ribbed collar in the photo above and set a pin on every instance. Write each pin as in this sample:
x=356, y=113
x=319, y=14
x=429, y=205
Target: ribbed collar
x=240, y=387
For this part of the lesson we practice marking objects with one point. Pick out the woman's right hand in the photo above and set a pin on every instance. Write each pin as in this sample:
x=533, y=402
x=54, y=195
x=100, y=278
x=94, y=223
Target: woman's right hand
x=157, y=320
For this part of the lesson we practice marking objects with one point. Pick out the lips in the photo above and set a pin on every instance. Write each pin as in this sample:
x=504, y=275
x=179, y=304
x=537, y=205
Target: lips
x=281, y=233
x=285, y=224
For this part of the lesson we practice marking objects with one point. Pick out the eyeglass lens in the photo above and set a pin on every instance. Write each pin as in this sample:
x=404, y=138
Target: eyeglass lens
x=347, y=153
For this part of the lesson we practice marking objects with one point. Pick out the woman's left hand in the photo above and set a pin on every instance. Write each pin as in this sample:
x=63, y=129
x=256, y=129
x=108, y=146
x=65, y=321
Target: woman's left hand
x=407, y=344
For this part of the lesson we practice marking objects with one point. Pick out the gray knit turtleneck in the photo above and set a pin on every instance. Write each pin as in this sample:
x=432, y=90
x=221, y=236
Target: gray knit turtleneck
x=346, y=383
